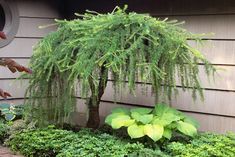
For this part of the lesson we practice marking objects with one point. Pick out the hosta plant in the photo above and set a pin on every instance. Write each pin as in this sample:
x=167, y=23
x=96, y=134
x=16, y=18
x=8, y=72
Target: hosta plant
x=157, y=123
x=10, y=112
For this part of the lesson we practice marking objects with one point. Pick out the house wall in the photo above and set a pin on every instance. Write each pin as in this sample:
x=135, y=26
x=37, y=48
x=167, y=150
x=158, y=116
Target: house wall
x=32, y=14
x=216, y=113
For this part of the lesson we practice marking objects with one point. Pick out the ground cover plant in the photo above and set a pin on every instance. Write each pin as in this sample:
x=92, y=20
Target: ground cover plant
x=204, y=145
x=158, y=123
x=4, y=128
x=50, y=142
x=124, y=47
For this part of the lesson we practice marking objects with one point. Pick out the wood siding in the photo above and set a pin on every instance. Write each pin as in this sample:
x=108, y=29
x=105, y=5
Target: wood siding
x=216, y=113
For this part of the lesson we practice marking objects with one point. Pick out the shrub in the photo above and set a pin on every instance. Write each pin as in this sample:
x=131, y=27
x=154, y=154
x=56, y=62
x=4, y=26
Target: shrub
x=157, y=123
x=62, y=143
x=204, y=145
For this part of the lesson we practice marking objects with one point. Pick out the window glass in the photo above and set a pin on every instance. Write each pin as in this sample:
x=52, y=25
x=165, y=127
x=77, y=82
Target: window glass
x=2, y=18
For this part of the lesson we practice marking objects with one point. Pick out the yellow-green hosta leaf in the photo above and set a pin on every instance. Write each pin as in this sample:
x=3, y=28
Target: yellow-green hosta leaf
x=155, y=132
x=112, y=116
x=135, y=131
x=120, y=121
x=135, y=115
x=160, y=109
x=141, y=110
x=121, y=110
x=145, y=119
x=186, y=128
x=129, y=122
x=159, y=121
x=166, y=113
x=192, y=121
x=167, y=133
x=170, y=117
x=109, y=118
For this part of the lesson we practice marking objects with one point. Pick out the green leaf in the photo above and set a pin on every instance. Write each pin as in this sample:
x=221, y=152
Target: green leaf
x=155, y=131
x=5, y=110
x=9, y=116
x=166, y=115
x=170, y=117
x=160, y=109
x=186, y=128
x=2, y=106
x=145, y=119
x=135, y=115
x=121, y=110
x=192, y=121
x=122, y=120
x=141, y=110
x=159, y=121
x=167, y=133
x=136, y=131
x=109, y=118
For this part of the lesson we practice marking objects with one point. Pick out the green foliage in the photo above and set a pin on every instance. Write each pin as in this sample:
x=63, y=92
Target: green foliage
x=130, y=46
x=50, y=142
x=18, y=126
x=206, y=145
x=11, y=112
x=3, y=130
x=156, y=123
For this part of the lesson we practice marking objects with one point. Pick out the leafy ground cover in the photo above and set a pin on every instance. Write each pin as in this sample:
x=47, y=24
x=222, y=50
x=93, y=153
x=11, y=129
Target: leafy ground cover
x=52, y=142
x=204, y=145
x=3, y=130
x=49, y=142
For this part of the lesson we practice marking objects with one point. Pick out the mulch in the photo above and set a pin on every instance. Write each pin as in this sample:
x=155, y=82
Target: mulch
x=5, y=152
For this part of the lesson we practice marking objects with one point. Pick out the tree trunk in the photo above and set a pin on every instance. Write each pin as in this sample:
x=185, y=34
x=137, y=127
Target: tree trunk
x=94, y=101
x=94, y=117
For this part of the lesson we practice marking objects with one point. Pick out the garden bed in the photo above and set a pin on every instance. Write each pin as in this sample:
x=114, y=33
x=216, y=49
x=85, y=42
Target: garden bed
x=53, y=142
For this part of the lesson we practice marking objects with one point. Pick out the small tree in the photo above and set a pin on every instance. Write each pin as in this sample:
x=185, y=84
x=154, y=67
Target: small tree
x=124, y=46
x=12, y=66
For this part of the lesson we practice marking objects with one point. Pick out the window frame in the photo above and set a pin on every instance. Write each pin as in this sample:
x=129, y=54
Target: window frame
x=11, y=21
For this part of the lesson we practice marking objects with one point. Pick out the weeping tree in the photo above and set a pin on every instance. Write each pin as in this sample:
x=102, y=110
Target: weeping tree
x=124, y=47
x=12, y=66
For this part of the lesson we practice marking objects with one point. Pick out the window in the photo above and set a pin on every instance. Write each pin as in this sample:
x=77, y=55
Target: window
x=9, y=20
x=2, y=18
